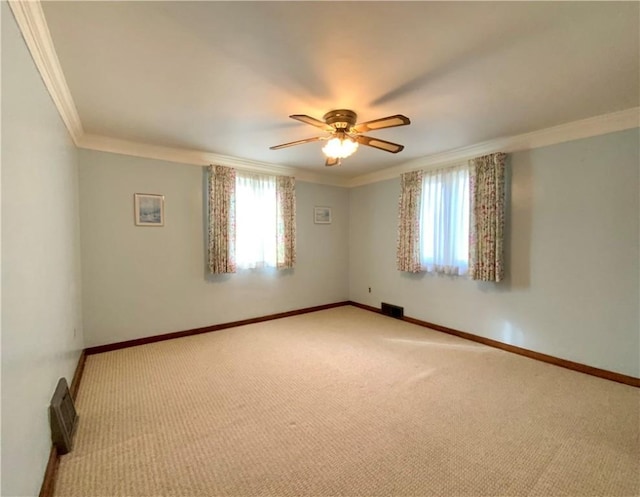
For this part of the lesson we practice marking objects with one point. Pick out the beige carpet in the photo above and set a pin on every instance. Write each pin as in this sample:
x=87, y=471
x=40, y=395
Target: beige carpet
x=346, y=402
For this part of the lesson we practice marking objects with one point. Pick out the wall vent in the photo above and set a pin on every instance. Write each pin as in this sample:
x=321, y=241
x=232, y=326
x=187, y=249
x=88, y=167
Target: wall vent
x=63, y=418
x=395, y=311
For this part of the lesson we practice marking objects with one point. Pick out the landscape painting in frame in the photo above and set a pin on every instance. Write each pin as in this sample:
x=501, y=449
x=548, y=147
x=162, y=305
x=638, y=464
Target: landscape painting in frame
x=322, y=215
x=149, y=209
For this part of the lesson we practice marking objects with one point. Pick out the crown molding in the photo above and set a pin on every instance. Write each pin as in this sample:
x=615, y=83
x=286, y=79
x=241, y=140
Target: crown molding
x=585, y=128
x=33, y=25
x=201, y=158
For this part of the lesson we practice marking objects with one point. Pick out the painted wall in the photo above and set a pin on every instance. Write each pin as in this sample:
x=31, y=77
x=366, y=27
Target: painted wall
x=572, y=255
x=143, y=281
x=40, y=263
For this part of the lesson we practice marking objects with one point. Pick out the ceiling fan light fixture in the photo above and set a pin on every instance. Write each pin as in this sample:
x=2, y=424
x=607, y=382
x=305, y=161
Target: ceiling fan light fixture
x=345, y=135
x=340, y=148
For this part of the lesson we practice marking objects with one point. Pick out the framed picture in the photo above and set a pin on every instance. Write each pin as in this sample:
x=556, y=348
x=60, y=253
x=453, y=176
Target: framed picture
x=322, y=215
x=148, y=209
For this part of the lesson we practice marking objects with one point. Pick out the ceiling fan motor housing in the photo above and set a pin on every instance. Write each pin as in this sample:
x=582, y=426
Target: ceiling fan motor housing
x=341, y=118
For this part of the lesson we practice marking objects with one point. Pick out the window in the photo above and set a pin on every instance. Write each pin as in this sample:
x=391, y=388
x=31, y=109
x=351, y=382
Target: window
x=444, y=221
x=451, y=221
x=256, y=221
x=251, y=220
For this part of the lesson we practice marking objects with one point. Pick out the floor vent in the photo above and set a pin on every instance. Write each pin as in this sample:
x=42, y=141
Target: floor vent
x=63, y=417
x=395, y=311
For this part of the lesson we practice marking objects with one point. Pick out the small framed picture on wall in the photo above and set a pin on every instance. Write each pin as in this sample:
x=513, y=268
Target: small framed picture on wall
x=322, y=215
x=148, y=209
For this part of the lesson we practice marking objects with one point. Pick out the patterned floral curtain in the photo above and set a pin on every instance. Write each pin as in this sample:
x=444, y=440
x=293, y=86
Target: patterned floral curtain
x=486, y=224
x=222, y=219
x=408, y=253
x=286, y=214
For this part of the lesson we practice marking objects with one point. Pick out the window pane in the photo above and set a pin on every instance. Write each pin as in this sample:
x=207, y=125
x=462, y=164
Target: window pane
x=255, y=221
x=444, y=222
x=430, y=198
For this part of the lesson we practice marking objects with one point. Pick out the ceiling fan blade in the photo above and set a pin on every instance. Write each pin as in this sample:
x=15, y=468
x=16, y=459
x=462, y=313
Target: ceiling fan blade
x=312, y=121
x=332, y=162
x=394, y=148
x=385, y=122
x=299, y=142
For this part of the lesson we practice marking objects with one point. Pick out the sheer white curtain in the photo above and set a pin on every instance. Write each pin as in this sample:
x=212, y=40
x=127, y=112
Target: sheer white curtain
x=444, y=221
x=256, y=221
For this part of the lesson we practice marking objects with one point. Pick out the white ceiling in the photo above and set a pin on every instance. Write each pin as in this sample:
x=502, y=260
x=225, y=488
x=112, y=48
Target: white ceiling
x=222, y=77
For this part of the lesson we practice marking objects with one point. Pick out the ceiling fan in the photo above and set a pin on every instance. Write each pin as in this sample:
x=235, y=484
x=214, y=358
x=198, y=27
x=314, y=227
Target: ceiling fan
x=345, y=135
